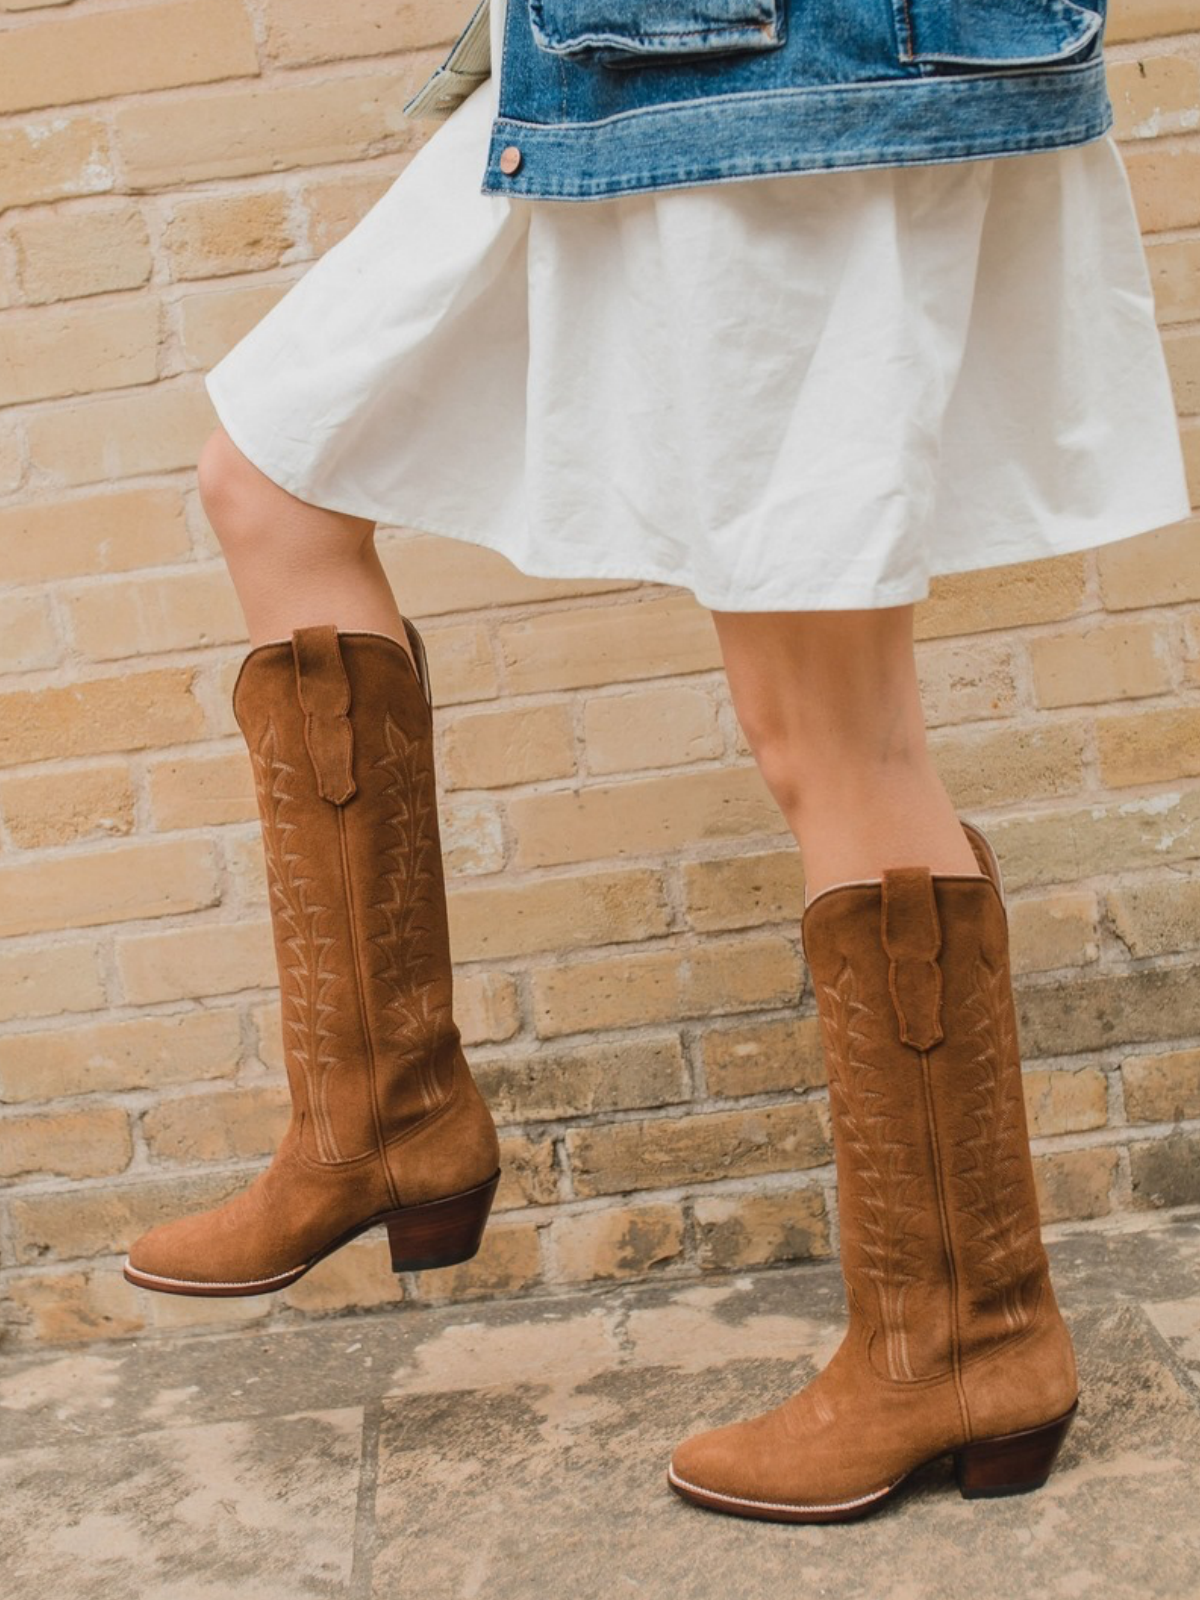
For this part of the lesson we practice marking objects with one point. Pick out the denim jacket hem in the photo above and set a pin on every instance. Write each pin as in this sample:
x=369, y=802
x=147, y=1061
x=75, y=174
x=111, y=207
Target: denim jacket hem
x=725, y=137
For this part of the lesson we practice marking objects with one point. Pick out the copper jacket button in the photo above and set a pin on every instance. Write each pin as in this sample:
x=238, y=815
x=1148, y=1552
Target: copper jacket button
x=510, y=159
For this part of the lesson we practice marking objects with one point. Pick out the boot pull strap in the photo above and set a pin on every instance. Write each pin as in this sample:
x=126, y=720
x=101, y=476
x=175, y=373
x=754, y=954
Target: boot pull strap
x=324, y=691
x=912, y=938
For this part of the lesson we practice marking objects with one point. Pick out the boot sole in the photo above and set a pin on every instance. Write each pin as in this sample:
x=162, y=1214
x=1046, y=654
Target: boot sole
x=1012, y=1463
x=439, y=1233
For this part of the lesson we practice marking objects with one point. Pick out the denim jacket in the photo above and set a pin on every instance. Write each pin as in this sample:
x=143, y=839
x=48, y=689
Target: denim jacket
x=607, y=97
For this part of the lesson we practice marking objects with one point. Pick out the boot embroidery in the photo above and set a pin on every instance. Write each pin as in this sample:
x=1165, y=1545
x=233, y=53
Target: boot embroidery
x=308, y=987
x=416, y=1005
x=882, y=1160
x=1000, y=1241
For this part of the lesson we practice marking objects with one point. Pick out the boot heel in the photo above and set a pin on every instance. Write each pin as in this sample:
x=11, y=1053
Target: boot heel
x=1013, y=1464
x=440, y=1233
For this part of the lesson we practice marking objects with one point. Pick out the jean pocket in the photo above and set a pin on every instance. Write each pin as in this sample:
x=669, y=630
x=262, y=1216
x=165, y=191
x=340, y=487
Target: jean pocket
x=996, y=33
x=626, y=33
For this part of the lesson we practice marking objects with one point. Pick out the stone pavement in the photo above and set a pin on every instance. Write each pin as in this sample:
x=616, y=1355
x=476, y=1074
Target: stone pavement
x=517, y=1450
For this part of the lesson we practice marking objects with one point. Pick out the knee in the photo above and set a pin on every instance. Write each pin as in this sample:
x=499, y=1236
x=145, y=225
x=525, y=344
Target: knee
x=236, y=497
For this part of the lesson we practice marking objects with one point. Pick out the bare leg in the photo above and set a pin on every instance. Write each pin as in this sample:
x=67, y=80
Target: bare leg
x=293, y=565
x=830, y=704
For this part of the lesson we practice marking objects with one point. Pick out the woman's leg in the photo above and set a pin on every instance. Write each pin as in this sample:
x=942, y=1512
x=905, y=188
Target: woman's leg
x=293, y=565
x=830, y=704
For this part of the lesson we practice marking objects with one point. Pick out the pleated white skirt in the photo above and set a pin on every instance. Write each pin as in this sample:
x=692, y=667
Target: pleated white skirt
x=802, y=392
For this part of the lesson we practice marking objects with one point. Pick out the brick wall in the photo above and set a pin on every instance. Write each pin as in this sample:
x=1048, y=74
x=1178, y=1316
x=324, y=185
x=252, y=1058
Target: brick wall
x=624, y=898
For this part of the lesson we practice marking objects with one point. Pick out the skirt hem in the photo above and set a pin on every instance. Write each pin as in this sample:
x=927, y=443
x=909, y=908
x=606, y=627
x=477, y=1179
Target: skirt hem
x=875, y=598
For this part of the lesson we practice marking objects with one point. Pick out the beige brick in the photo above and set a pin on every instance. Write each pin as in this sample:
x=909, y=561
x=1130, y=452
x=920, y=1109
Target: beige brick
x=212, y=321
x=1153, y=95
x=63, y=805
x=966, y=682
x=472, y=834
x=12, y=465
x=333, y=209
x=39, y=983
x=1175, y=274
x=117, y=884
x=486, y=1006
x=664, y=727
x=641, y=817
x=74, y=1307
x=625, y=1242
x=236, y=133
x=698, y=1149
x=78, y=349
x=194, y=963
x=743, y=891
x=1189, y=439
x=528, y=1173
x=1153, y=569
x=763, y=1057
x=68, y=1144
x=67, y=1224
x=991, y=767
x=1166, y=185
x=160, y=429
x=1074, y=1184
x=301, y=31
x=357, y=1277
x=1116, y=661
x=1155, y=917
x=49, y=158
x=95, y=717
x=1191, y=647
x=1058, y=930
x=107, y=1057
x=225, y=1125
x=509, y=1261
x=1182, y=349
x=210, y=235
x=556, y=914
x=496, y=749
x=550, y=1084
x=437, y=575
x=1081, y=842
x=91, y=535
x=1162, y=1088
x=659, y=986
x=81, y=250
x=28, y=639
x=1166, y=1172
x=757, y=1230
x=461, y=666
x=1065, y=1102
x=204, y=790
x=1106, y=1010
x=1147, y=19
x=248, y=867
x=180, y=1313
x=1149, y=746
x=176, y=611
x=1047, y=590
x=92, y=55
x=608, y=644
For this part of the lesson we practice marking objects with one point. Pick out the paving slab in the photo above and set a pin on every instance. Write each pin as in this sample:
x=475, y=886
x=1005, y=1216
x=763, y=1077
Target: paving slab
x=516, y=1450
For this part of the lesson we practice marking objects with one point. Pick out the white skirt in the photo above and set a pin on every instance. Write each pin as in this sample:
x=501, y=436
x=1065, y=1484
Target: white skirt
x=801, y=392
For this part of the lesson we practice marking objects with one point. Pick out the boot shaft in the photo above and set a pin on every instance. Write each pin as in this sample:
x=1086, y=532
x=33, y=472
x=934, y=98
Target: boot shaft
x=941, y=1243
x=340, y=733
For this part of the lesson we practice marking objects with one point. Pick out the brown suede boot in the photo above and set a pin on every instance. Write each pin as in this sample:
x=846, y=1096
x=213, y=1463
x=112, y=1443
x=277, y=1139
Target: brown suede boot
x=955, y=1343
x=387, y=1125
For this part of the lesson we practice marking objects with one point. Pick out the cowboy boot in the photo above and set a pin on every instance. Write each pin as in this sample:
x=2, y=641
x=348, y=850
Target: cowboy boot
x=387, y=1127
x=955, y=1344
